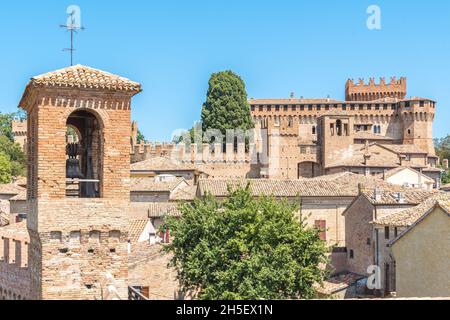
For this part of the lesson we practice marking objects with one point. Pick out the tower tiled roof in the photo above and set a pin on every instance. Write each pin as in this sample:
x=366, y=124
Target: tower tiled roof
x=85, y=77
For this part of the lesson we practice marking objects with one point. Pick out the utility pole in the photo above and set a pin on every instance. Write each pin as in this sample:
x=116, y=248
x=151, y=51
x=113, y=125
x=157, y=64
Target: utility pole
x=73, y=26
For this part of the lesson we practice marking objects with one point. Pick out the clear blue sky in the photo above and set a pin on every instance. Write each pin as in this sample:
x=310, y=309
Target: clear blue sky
x=172, y=47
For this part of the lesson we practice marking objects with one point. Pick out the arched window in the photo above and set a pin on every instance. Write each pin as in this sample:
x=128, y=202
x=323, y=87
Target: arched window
x=339, y=127
x=94, y=236
x=84, y=167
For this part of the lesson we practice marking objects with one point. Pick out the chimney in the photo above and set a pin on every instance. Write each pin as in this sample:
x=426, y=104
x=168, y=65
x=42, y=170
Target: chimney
x=378, y=194
x=384, y=174
x=361, y=188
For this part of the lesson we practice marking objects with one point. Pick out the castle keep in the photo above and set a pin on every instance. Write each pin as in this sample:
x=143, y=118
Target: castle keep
x=78, y=195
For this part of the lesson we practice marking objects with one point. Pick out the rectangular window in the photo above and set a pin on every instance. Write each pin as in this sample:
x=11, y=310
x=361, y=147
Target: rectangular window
x=269, y=108
x=302, y=108
x=386, y=233
x=277, y=108
x=310, y=108
x=322, y=226
x=319, y=108
x=396, y=232
x=352, y=254
x=253, y=108
x=303, y=150
x=294, y=108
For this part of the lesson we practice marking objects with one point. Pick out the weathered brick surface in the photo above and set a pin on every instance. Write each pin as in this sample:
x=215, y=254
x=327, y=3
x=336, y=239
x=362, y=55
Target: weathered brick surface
x=75, y=243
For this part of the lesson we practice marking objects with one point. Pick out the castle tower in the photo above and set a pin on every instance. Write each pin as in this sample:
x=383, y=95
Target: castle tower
x=78, y=193
x=371, y=91
x=336, y=134
x=417, y=115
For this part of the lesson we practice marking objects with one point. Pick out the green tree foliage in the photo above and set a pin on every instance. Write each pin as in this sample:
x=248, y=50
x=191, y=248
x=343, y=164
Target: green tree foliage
x=443, y=147
x=140, y=137
x=443, y=152
x=12, y=152
x=245, y=248
x=5, y=169
x=226, y=105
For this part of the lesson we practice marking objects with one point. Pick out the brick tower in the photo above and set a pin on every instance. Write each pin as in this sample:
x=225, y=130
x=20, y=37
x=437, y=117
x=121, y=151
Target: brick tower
x=335, y=135
x=78, y=182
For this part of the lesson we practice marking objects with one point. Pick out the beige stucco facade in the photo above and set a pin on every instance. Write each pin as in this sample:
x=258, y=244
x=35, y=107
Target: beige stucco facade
x=423, y=257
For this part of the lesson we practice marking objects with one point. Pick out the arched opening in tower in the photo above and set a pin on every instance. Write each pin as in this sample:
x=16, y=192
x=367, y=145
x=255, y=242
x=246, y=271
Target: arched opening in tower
x=84, y=155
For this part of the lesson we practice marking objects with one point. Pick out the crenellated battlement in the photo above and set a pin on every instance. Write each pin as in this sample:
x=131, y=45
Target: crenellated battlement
x=369, y=91
x=198, y=153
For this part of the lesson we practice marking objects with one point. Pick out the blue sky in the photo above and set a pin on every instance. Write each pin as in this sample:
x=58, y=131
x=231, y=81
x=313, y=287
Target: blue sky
x=172, y=47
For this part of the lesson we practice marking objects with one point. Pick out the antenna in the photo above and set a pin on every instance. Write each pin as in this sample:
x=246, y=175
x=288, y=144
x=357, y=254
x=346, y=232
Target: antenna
x=73, y=27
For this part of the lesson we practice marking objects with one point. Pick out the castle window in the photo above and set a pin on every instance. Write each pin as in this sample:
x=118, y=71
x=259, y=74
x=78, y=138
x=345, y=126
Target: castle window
x=302, y=108
x=422, y=104
x=277, y=108
x=253, y=108
x=352, y=107
x=84, y=165
x=339, y=127
x=386, y=233
x=332, y=129
x=310, y=108
x=319, y=107
x=385, y=106
x=115, y=234
x=369, y=107
x=56, y=236
x=94, y=236
x=269, y=108
x=276, y=121
x=409, y=132
x=302, y=150
x=294, y=108
x=286, y=108
x=290, y=122
x=75, y=236
x=344, y=107
x=314, y=130
x=327, y=107
x=321, y=225
x=377, y=107
x=261, y=109
x=352, y=254
x=360, y=107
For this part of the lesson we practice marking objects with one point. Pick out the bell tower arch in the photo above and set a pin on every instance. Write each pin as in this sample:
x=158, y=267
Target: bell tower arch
x=78, y=181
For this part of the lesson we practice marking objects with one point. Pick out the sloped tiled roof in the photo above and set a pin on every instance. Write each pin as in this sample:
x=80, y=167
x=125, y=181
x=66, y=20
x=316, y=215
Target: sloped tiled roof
x=370, y=136
x=11, y=189
x=149, y=184
x=390, y=197
x=162, y=209
x=404, y=148
x=281, y=188
x=136, y=229
x=394, y=171
x=161, y=164
x=80, y=76
x=410, y=216
x=187, y=193
x=4, y=219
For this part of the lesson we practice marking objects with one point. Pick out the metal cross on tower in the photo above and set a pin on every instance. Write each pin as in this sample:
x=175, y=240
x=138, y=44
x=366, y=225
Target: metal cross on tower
x=73, y=26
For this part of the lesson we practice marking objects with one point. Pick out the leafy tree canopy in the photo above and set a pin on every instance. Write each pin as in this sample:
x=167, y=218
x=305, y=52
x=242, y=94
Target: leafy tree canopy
x=245, y=248
x=5, y=169
x=443, y=152
x=140, y=137
x=11, y=151
x=226, y=105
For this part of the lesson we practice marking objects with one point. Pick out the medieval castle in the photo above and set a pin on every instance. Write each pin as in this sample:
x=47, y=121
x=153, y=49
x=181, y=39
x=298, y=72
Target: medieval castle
x=80, y=197
x=376, y=129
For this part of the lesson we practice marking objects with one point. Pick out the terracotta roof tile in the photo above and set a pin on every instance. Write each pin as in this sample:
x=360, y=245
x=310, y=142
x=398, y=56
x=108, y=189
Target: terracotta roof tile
x=85, y=77
x=136, y=228
x=161, y=164
x=410, y=216
x=162, y=209
x=151, y=185
x=391, y=197
x=11, y=189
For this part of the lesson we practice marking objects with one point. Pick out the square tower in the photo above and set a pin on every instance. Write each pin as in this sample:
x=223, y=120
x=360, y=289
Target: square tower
x=78, y=182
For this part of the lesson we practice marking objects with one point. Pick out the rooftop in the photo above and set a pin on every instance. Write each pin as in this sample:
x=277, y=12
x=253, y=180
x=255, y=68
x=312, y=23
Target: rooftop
x=149, y=184
x=161, y=164
x=410, y=216
x=338, y=185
